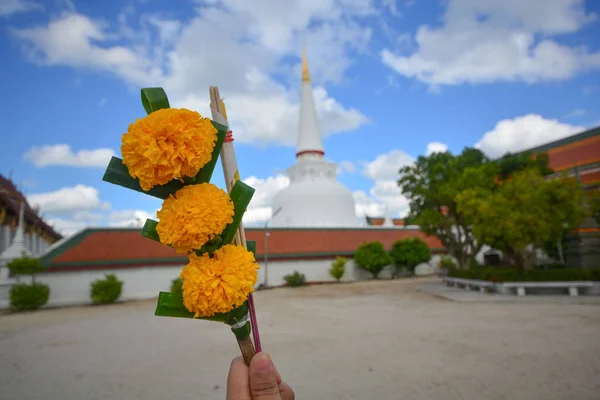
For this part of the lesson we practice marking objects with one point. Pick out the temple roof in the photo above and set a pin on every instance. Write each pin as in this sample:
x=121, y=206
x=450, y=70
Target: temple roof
x=126, y=248
x=10, y=201
x=309, y=133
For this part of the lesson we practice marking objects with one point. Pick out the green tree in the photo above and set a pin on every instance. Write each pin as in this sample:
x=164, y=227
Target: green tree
x=523, y=213
x=432, y=184
x=338, y=267
x=25, y=266
x=510, y=163
x=372, y=257
x=410, y=252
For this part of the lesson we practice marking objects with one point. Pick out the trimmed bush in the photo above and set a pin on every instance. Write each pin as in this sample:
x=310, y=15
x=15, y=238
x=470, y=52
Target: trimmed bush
x=529, y=275
x=296, y=279
x=372, y=257
x=410, y=252
x=177, y=285
x=338, y=267
x=25, y=266
x=29, y=297
x=105, y=291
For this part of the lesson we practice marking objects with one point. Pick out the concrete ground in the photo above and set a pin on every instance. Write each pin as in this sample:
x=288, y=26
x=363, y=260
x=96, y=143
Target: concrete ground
x=369, y=340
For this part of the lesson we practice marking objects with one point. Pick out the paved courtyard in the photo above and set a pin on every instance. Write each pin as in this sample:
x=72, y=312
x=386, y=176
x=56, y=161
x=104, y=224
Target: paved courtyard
x=371, y=340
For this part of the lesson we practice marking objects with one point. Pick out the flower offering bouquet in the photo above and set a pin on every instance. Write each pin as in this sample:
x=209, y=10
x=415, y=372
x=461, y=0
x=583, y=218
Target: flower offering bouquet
x=171, y=154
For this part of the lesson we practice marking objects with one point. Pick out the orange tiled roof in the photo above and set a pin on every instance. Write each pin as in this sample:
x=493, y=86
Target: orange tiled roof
x=100, y=248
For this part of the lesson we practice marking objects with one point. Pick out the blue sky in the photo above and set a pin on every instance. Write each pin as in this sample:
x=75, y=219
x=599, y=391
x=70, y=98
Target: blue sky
x=392, y=80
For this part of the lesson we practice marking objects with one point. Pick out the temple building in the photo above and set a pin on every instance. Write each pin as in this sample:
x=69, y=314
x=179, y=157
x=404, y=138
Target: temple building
x=314, y=197
x=578, y=156
x=36, y=235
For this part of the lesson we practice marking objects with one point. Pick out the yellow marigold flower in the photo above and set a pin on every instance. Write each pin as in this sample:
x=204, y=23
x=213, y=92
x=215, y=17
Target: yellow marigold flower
x=218, y=284
x=167, y=144
x=193, y=216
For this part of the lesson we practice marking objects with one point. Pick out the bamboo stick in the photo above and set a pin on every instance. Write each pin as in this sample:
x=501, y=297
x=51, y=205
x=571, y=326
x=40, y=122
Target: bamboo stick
x=231, y=174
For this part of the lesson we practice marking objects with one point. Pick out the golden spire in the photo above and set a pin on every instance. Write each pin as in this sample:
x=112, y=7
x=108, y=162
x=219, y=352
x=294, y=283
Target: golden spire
x=305, y=74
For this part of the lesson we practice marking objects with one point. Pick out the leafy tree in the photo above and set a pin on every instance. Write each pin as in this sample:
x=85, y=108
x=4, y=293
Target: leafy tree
x=593, y=202
x=523, y=213
x=338, y=268
x=510, y=163
x=410, y=252
x=372, y=257
x=432, y=184
x=25, y=266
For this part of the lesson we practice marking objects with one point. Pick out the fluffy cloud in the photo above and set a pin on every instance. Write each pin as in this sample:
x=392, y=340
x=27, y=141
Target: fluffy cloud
x=384, y=197
x=66, y=226
x=436, y=147
x=486, y=41
x=62, y=154
x=522, y=133
x=10, y=7
x=130, y=218
x=261, y=108
x=260, y=209
x=68, y=200
x=386, y=166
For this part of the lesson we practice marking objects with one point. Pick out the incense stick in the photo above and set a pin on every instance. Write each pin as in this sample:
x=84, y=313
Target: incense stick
x=231, y=174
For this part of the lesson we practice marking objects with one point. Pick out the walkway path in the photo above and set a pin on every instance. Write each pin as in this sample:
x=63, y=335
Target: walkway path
x=380, y=340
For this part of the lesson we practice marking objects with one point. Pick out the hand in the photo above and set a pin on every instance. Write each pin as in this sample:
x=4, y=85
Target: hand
x=259, y=382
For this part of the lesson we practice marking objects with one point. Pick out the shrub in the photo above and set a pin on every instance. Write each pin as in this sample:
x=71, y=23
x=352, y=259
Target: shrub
x=295, y=279
x=410, y=252
x=177, y=285
x=29, y=297
x=529, y=275
x=372, y=257
x=107, y=290
x=338, y=267
x=25, y=266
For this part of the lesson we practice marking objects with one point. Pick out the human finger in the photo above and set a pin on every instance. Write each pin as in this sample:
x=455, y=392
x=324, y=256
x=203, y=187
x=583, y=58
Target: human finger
x=238, y=385
x=263, y=379
x=286, y=392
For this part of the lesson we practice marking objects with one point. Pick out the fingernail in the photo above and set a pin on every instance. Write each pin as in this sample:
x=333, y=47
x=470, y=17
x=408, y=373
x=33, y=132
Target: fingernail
x=261, y=363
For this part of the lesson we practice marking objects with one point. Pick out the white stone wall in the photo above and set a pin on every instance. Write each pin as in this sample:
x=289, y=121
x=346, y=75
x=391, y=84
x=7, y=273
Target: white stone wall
x=315, y=271
x=73, y=288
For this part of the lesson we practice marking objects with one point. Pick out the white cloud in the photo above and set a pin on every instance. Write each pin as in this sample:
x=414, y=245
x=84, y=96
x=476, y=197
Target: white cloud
x=62, y=154
x=67, y=227
x=387, y=165
x=10, y=7
x=262, y=108
x=130, y=218
x=68, y=200
x=522, y=133
x=260, y=209
x=436, y=147
x=365, y=205
x=484, y=41
x=384, y=197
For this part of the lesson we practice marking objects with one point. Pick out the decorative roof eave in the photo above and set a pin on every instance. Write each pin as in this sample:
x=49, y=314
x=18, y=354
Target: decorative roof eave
x=562, y=142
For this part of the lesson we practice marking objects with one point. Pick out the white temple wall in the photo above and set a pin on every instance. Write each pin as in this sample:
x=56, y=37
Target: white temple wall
x=73, y=287
x=315, y=271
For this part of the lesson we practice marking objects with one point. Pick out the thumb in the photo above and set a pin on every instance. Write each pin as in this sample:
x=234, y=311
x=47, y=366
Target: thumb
x=263, y=378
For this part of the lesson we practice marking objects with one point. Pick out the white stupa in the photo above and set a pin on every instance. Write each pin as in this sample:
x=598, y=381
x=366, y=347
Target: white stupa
x=314, y=197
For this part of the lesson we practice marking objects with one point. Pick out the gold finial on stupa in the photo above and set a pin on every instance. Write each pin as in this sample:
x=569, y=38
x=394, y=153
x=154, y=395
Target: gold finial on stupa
x=305, y=74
